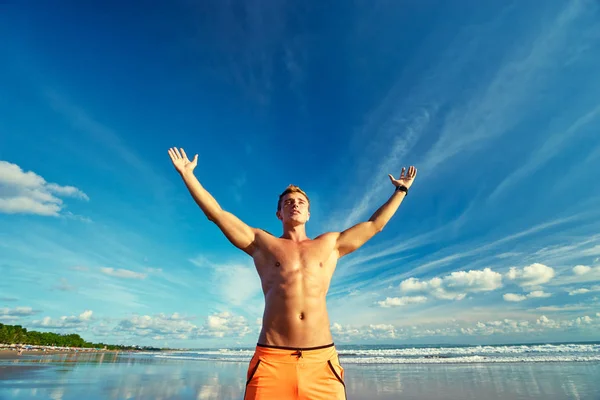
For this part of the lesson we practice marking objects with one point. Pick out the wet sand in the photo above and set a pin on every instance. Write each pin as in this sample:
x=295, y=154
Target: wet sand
x=100, y=376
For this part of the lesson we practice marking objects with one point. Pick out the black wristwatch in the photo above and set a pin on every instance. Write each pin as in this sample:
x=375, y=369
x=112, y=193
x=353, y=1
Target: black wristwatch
x=402, y=188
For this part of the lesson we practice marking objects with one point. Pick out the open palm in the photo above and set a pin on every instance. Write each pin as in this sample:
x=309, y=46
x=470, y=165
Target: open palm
x=406, y=177
x=181, y=162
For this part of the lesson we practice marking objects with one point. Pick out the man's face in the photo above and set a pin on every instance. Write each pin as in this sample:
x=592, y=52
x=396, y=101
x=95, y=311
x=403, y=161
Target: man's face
x=294, y=209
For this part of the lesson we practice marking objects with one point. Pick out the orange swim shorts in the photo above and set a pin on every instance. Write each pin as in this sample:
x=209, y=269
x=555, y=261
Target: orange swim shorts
x=282, y=373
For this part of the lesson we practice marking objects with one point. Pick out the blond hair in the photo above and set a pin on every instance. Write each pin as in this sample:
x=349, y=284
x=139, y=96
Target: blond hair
x=291, y=189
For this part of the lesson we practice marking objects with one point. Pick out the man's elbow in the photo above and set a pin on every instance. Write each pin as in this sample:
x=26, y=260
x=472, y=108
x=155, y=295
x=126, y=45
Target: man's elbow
x=377, y=227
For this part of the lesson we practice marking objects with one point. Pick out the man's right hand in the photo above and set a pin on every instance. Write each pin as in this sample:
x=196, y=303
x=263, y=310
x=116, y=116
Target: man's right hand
x=181, y=162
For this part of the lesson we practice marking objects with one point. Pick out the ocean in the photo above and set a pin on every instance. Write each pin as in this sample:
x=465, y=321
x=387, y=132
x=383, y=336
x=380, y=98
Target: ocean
x=528, y=371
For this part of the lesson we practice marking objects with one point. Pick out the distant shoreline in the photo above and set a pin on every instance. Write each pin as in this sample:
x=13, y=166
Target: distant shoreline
x=13, y=354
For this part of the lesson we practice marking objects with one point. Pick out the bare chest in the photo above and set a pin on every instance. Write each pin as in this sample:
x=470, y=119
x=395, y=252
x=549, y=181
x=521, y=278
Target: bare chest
x=284, y=261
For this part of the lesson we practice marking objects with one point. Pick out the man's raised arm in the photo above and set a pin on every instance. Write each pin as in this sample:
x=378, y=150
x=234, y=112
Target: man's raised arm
x=237, y=232
x=354, y=237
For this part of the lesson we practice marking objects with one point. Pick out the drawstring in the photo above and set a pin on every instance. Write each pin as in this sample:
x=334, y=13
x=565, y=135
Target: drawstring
x=297, y=353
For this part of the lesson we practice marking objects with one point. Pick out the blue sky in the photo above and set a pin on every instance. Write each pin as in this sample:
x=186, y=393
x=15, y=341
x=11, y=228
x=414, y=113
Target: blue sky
x=496, y=104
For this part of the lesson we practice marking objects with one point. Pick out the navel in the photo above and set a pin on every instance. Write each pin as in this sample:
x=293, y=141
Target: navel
x=301, y=316
x=321, y=264
x=277, y=264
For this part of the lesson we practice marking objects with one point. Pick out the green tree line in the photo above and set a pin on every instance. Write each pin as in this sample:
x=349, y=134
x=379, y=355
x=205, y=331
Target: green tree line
x=16, y=334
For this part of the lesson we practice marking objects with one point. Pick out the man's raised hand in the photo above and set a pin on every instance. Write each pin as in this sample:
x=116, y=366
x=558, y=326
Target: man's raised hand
x=181, y=162
x=406, y=177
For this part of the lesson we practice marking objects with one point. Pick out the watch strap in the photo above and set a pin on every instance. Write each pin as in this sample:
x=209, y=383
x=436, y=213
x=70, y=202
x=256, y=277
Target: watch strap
x=402, y=188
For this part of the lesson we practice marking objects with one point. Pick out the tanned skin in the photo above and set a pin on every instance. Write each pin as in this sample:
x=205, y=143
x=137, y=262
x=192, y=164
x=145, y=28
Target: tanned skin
x=295, y=271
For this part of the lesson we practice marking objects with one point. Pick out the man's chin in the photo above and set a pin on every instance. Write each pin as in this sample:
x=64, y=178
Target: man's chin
x=295, y=221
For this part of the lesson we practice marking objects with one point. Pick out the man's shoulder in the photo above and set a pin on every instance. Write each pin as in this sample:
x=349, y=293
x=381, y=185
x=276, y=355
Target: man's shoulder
x=263, y=231
x=327, y=236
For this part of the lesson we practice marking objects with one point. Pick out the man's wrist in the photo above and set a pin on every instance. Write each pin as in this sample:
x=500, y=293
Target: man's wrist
x=401, y=188
x=186, y=174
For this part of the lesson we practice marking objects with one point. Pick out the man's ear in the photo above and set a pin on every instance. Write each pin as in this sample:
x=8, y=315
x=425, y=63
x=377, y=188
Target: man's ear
x=278, y=215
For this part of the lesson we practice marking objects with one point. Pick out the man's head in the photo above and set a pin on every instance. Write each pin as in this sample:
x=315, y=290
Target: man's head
x=293, y=206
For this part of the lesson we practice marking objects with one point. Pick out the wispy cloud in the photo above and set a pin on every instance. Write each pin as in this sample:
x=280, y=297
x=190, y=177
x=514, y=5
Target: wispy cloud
x=401, y=301
x=554, y=145
x=122, y=273
x=490, y=109
x=500, y=103
x=235, y=283
x=64, y=286
x=28, y=193
x=575, y=292
x=105, y=137
x=405, y=134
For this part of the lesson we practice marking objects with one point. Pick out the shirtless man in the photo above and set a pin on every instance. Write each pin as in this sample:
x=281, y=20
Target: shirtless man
x=295, y=357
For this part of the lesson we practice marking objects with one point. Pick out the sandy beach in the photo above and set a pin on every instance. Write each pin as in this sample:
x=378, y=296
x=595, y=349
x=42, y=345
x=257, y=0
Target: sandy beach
x=14, y=355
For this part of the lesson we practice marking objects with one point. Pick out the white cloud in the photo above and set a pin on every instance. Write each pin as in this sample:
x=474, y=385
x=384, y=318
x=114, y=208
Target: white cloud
x=401, y=301
x=28, y=193
x=452, y=327
x=531, y=275
x=514, y=297
x=587, y=273
x=64, y=322
x=578, y=291
x=546, y=322
x=536, y=294
x=539, y=294
x=175, y=326
x=123, y=273
x=226, y=324
x=11, y=314
x=583, y=320
x=581, y=269
x=456, y=285
x=584, y=290
x=161, y=324
x=575, y=307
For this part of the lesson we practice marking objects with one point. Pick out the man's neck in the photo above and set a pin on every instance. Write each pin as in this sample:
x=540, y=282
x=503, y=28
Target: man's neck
x=295, y=233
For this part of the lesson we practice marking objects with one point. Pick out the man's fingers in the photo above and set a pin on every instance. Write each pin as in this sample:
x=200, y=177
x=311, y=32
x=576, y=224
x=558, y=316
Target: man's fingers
x=172, y=155
x=183, y=153
x=403, y=172
x=177, y=152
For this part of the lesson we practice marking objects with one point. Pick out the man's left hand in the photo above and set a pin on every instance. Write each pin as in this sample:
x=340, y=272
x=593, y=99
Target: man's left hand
x=406, y=177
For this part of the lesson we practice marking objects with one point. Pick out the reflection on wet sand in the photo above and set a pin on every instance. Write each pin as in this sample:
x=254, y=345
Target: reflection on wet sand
x=497, y=381
x=135, y=376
